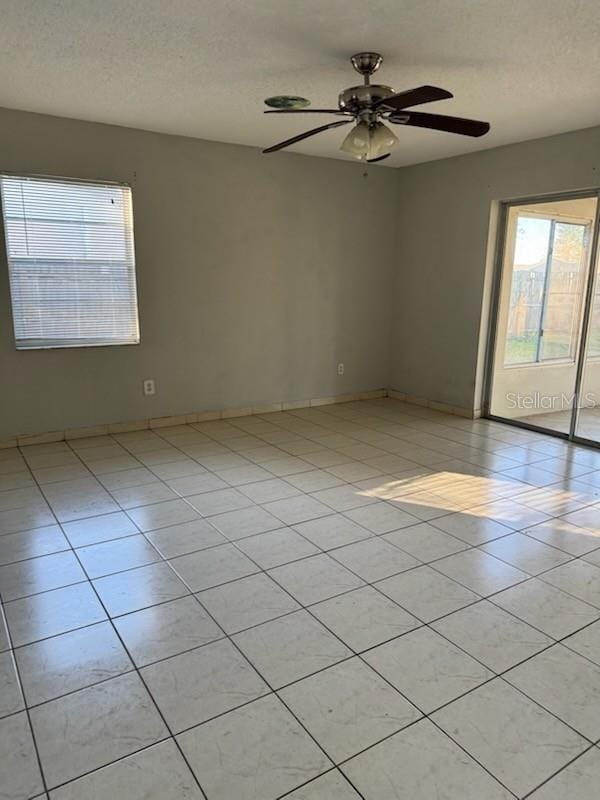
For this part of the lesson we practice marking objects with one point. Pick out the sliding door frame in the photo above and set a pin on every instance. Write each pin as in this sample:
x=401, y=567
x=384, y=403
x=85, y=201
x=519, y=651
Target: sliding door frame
x=587, y=307
x=586, y=323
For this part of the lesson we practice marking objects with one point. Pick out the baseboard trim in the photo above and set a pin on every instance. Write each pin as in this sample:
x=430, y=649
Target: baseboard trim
x=153, y=423
x=183, y=419
x=458, y=411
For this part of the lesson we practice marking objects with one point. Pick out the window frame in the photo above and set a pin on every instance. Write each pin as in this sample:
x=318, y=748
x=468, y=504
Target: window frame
x=74, y=345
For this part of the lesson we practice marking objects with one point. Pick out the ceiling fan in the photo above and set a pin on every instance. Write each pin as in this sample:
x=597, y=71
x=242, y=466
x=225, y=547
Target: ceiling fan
x=367, y=105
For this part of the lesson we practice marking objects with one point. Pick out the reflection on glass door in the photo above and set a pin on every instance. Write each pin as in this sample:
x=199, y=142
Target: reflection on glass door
x=540, y=312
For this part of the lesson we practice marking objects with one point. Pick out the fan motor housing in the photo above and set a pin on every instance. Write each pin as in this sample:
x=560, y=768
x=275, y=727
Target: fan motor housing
x=361, y=98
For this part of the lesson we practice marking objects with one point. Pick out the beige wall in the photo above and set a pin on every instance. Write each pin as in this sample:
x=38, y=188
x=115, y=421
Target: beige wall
x=448, y=211
x=256, y=276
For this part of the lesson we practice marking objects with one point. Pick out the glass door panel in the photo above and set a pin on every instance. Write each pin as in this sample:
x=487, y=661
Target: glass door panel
x=531, y=247
x=564, y=290
x=588, y=418
x=539, y=320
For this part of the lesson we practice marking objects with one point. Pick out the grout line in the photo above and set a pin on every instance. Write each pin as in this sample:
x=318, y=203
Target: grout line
x=307, y=784
x=4, y=620
x=554, y=774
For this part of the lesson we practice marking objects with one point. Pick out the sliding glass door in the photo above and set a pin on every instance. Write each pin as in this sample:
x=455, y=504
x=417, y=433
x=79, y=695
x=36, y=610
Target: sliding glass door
x=542, y=299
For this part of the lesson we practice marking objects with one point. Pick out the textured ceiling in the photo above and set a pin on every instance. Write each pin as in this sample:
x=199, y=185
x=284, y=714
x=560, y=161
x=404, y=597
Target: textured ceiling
x=198, y=68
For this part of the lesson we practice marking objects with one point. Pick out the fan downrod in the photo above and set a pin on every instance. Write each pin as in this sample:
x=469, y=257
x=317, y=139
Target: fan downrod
x=359, y=100
x=366, y=64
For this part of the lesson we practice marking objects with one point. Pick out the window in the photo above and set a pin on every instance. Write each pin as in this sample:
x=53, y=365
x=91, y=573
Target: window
x=71, y=262
x=548, y=272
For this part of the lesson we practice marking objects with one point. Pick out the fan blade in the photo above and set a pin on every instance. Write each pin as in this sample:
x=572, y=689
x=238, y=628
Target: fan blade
x=306, y=134
x=379, y=158
x=309, y=111
x=413, y=97
x=440, y=122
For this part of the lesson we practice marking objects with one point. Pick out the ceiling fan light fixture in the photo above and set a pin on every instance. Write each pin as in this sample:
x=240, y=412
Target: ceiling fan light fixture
x=356, y=142
x=382, y=141
x=365, y=142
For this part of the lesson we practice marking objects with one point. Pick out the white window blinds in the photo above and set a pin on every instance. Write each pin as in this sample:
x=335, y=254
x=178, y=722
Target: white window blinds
x=71, y=262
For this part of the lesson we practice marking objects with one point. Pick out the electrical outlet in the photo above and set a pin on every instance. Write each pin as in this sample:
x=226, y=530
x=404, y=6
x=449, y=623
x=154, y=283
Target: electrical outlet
x=340, y=369
x=149, y=387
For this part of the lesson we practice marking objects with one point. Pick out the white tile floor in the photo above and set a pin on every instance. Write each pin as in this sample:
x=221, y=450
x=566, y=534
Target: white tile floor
x=369, y=600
